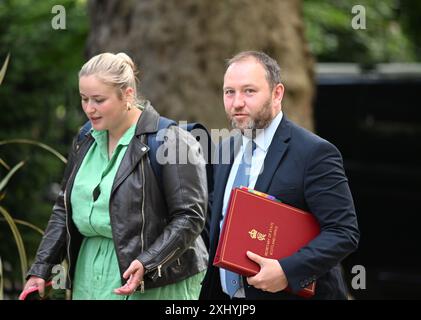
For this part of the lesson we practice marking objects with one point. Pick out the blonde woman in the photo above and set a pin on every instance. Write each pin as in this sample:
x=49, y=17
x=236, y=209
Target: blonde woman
x=125, y=236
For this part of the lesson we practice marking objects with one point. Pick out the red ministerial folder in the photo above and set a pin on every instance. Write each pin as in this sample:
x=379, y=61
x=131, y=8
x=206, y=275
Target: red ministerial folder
x=258, y=223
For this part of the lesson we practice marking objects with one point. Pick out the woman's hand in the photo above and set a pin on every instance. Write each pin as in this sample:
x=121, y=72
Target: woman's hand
x=134, y=273
x=37, y=282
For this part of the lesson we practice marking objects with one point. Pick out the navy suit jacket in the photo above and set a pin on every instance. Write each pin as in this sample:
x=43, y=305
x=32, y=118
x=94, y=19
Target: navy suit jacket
x=304, y=171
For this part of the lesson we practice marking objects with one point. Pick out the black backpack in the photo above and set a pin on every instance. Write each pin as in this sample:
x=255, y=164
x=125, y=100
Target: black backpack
x=197, y=130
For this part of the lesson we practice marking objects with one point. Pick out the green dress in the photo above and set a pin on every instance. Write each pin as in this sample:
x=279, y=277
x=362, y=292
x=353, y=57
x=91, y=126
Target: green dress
x=97, y=273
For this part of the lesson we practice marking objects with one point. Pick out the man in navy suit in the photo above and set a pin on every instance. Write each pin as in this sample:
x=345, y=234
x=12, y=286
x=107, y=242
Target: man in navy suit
x=299, y=168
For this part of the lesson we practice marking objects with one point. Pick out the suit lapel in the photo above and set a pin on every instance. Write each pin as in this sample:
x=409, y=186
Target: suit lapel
x=274, y=155
x=223, y=168
x=221, y=177
x=273, y=158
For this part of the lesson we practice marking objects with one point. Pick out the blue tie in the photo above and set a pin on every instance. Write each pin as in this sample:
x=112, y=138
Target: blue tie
x=232, y=279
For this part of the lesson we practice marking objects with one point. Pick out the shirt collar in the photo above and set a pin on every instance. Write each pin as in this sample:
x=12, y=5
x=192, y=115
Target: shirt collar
x=101, y=135
x=264, y=138
x=127, y=136
x=101, y=139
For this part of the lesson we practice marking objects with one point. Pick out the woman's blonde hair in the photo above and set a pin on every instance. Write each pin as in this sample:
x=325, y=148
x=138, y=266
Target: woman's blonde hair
x=117, y=70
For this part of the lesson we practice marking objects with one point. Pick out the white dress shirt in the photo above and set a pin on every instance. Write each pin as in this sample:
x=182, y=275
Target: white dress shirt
x=263, y=140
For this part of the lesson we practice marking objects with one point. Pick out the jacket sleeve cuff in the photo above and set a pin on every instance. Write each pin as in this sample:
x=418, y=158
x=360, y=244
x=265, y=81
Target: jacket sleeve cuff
x=297, y=279
x=41, y=270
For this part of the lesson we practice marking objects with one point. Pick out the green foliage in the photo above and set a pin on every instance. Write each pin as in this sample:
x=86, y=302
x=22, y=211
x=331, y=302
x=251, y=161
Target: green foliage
x=4, y=68
x=19, y=241
x=16, y=234
x=39, y=100
x=385, y=39
x=35, y=143
x=1, y=280
x=11, y=222
x=411, y=22
x=29, y=225
x=6, y=179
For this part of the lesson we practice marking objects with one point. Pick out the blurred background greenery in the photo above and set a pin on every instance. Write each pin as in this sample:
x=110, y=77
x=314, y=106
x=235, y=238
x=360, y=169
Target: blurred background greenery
x=38, y=100
x=39, y=97
x=391, y=33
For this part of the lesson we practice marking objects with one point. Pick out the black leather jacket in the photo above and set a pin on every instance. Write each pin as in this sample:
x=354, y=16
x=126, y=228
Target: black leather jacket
x=160, y=228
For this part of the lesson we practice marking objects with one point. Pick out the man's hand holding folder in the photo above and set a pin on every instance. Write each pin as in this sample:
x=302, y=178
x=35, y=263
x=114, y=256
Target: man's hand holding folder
x=267, y=227
x=271, y=277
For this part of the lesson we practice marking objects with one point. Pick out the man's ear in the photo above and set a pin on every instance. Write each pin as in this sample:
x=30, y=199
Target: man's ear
x=278, y=93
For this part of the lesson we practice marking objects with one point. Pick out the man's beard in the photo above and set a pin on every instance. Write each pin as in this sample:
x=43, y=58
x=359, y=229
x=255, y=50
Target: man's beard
x=260, y=121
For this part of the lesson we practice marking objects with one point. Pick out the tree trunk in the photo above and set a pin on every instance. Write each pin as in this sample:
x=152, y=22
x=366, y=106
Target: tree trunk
x=181, y=48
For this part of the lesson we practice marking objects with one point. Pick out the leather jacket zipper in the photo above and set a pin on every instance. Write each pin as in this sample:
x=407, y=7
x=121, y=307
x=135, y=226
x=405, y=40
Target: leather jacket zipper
x=68, y=242
x=143, y=206
x=159, y=266
x=142, y=283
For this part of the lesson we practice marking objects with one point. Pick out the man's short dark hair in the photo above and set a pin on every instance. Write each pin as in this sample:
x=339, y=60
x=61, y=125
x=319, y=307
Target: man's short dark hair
x=273, y=71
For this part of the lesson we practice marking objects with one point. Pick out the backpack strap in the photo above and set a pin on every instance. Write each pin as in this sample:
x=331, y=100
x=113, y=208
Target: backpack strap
x=154, y=144
x=194, y=128
x=84, y=130
x=197, y=130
